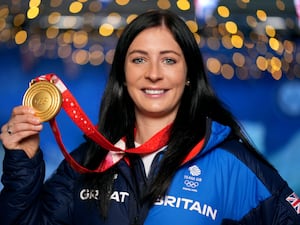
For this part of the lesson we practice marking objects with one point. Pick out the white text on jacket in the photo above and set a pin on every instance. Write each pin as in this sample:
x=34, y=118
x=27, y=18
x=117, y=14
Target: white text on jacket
x=188, y=204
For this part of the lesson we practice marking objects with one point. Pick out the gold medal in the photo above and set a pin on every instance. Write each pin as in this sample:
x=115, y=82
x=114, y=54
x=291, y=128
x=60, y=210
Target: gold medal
x=45, y=98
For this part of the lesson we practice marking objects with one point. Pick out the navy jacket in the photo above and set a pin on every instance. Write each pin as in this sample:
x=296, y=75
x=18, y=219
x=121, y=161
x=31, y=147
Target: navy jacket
x=223, y=184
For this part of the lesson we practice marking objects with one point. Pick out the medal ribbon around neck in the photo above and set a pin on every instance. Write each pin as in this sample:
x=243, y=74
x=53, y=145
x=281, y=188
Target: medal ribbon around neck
x=73, y=110
x=49, y=97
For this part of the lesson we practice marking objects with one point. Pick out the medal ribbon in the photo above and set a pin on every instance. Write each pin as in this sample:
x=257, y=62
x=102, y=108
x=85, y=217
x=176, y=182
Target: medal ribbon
x=115, y=152
x=73, y=110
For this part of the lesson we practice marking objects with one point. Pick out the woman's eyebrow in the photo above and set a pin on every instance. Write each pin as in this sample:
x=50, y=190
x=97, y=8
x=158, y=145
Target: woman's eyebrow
x=145, y=52
x=137, y=51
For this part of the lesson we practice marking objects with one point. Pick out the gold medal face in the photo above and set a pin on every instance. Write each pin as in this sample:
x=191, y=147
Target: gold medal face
x=45, y=98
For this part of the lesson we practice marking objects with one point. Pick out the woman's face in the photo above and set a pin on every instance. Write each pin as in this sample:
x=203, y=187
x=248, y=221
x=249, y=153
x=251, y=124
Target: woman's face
x=155, y=73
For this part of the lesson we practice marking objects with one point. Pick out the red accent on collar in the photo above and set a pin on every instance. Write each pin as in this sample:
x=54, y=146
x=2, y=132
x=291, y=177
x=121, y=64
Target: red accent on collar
x=195, y=151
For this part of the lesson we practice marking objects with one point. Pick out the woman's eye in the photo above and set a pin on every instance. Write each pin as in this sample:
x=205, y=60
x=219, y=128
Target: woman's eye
x=138, y=60
x=169, y=61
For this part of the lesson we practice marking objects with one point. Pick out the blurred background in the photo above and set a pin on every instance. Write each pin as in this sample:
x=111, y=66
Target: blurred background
x=250, y=50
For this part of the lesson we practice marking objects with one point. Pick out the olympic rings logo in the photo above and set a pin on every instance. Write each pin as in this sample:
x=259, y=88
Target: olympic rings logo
x=191, y=184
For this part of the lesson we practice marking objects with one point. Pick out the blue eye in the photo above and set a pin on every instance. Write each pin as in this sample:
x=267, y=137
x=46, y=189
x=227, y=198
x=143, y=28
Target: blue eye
x=170, y=61
x=138, y=60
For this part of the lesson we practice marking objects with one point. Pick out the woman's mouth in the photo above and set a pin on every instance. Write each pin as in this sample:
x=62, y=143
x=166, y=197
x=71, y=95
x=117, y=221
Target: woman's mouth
x=154, y=91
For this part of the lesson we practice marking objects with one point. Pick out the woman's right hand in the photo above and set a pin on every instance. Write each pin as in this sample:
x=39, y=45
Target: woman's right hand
x=22, y=131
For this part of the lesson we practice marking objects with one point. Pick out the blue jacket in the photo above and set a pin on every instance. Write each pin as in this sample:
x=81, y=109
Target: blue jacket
x=223, y=184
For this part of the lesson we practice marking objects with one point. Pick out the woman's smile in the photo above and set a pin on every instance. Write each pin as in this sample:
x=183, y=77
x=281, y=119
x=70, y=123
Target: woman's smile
x=154, y=92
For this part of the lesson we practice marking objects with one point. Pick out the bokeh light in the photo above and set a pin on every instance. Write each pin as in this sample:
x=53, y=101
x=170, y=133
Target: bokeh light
x=256, y=39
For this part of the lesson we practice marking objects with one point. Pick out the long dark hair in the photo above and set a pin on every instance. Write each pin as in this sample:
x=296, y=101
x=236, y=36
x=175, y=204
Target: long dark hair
x=199, y=102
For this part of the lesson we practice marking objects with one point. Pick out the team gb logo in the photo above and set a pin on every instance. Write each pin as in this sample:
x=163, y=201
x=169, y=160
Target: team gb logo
x=195, y=171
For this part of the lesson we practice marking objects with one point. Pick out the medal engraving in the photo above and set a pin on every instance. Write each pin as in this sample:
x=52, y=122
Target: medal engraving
x=45, y=98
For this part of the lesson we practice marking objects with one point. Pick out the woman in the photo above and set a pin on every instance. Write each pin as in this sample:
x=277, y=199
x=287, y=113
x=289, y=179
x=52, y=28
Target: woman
x=206, y=173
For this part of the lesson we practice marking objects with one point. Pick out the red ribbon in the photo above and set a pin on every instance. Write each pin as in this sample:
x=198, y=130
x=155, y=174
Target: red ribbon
x=73, y=110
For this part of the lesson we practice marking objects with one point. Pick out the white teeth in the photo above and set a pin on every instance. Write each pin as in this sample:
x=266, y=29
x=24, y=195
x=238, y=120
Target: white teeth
x=154, y=92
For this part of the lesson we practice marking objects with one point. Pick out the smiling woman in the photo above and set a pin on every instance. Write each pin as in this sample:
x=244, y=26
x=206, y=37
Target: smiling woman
x=156, y=74
x=201, y=169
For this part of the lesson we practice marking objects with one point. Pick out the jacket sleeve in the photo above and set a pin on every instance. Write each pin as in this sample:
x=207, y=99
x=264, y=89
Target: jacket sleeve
x=276, y=210
x=26, y=199
x=283, y=205
x=22, y=181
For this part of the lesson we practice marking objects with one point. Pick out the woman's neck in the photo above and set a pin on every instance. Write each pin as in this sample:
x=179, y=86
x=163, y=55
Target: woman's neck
x=146, y=128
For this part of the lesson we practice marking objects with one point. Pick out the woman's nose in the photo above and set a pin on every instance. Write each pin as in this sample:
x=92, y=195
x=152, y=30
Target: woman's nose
x=154, y=72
